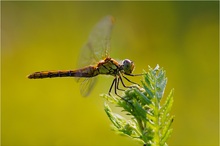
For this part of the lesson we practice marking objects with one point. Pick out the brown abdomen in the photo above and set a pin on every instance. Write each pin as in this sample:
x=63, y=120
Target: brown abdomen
x=86, y=72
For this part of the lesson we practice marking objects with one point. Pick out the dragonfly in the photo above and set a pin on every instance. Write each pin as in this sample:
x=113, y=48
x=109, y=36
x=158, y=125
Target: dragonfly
x=94, y=60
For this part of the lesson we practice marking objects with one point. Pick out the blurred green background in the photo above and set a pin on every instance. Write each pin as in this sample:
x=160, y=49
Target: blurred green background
x=182, y=37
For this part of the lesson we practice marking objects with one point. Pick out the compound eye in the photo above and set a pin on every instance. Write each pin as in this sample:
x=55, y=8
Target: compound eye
x=128, y=66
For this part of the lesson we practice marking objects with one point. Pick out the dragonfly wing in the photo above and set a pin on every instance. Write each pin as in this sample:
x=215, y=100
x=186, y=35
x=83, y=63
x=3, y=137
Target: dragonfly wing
x=100, y=37
x=98, y=44
x=86, y=86
x=95, y=49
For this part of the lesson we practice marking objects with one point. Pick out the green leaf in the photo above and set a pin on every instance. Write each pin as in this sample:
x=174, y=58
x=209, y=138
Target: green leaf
x=149, y=121
x=142, y=97
x=166, y=128
x=148, y=91
x=165, y=109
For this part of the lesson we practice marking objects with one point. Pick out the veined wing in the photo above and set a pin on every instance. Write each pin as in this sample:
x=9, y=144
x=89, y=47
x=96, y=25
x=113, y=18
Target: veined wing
x=86, y=86
x=98, y=45
x=96, y=49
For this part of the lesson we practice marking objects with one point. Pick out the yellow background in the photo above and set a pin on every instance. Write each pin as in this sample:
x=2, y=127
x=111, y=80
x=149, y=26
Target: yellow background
x=182, y=37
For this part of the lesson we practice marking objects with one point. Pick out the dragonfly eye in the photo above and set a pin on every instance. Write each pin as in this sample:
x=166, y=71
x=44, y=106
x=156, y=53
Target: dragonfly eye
x=128, y=66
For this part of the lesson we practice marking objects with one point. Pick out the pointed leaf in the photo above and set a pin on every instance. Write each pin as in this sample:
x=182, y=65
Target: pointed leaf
x=167, y=106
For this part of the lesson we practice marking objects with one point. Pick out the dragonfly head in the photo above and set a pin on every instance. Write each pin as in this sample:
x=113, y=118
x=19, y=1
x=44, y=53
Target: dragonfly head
x=127, y=66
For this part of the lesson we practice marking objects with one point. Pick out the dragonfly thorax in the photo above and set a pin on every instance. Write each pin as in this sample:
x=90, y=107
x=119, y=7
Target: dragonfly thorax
x=127, y=66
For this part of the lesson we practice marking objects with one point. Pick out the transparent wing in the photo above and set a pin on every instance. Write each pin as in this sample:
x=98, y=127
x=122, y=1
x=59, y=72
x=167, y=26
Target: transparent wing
x=96, y=48
x=98, y=45
x=86, y=86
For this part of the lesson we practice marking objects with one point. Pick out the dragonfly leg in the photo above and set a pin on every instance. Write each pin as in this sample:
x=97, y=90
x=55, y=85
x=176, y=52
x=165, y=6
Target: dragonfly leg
x=123, y=83
x=119, y=79
x=111, y=86
x=134, y=75
x=130, y=80
x=116, y=84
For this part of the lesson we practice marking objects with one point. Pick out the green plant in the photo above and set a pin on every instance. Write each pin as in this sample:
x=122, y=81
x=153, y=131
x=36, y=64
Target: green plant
x=149, y=122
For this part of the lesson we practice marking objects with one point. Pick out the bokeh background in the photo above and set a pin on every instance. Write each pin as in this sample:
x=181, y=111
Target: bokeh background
x=182, y=37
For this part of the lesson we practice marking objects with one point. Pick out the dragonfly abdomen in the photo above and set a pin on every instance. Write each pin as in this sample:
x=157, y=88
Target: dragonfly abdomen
x=87, y=72
x=50, y=74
